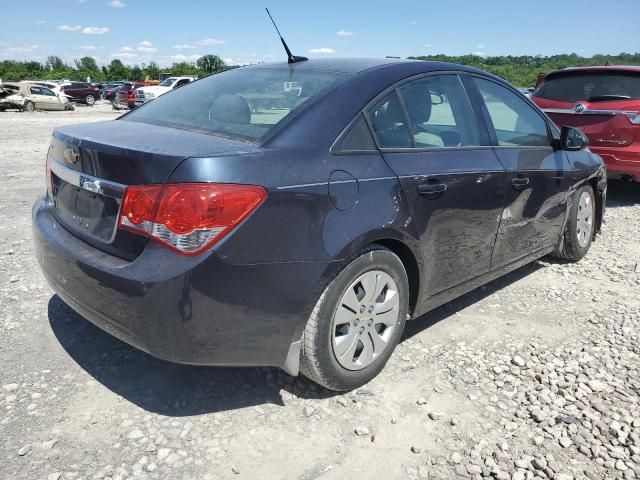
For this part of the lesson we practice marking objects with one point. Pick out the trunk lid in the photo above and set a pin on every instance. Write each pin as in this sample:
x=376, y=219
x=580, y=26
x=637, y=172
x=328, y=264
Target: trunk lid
x=92, y=164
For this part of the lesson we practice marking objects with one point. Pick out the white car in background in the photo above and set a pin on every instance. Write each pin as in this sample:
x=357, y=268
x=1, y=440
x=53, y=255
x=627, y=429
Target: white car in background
x=31, y=96
x=144, y=94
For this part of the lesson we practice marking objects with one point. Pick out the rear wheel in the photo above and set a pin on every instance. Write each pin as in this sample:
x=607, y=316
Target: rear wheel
x=90, y=99
x=357, y=322
x=580, y=225
x=29, y=106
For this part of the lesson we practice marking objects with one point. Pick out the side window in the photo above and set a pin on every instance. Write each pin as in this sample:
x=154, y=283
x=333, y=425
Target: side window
x=390, y=123
x=35, y=91
x=357, y=138
x=46, y=91
x=516, y=123
x=440, y=112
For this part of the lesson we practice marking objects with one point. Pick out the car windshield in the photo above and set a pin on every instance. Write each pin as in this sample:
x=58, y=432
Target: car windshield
x=593, y=87
x=245, y=102
x=167, y=82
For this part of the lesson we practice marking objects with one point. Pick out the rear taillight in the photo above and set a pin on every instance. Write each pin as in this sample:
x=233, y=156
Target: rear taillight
x=188, y=217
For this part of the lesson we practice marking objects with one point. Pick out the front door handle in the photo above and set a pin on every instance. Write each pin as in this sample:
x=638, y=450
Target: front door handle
x=432, y=189
x=519, y=182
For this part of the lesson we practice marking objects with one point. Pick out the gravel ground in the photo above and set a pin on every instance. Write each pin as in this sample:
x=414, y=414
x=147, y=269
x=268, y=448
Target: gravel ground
x=535, y=375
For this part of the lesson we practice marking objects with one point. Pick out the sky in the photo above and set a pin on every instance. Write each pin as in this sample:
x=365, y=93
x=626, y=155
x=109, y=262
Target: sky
x=168, y=31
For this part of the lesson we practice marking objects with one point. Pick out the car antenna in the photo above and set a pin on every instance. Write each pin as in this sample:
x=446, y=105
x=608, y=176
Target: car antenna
x=291, y=58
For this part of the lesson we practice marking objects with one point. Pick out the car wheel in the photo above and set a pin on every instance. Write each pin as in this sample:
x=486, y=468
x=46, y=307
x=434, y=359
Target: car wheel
x=29, y=106
x=580, y=226
x=69, y=107
x=90, y=99
x=357, y=322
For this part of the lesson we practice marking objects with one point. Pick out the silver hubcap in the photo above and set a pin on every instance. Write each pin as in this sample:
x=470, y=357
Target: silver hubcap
x=365, y=319
x=585, y=219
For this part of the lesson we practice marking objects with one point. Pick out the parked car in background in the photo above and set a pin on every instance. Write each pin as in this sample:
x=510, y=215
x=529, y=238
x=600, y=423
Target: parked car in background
x=527, y=91
x=109, y=89
x=150, y=92
x=31, y=96
x=53, y=86
x=126, y=95
x=604, y=103
x=81, y=92
x=304, y=233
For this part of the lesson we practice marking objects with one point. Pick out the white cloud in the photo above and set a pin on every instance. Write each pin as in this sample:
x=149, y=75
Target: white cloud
x=40, y=22
x=207, y=42
x=146, y=46
x=117, y=4
x=480, y=47
x=183, y=46
x=344, y=33
x=427, y=45
x=95, y=30
x=322, y=50
x=88, y=47
x=69, y=28
x=126, y=49
x=185, y=58
x=124, y=55
x=22, y=48
x=479, y=54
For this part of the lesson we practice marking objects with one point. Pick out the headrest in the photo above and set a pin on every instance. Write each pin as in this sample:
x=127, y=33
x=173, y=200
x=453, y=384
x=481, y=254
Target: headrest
x=230, y=109
x=417, y=99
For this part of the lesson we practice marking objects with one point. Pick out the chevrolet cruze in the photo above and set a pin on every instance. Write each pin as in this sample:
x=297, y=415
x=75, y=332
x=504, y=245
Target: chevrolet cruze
x=297, y=215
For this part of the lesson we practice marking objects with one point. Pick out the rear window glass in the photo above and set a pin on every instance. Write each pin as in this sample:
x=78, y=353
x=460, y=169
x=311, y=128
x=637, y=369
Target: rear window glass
x=245, y=102
x=593, y=87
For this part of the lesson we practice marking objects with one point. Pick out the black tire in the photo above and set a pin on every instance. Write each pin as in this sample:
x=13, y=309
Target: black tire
x=89, y=99
x=69, y=107
x=317, y=359
x=29, y=106
x=570, y=249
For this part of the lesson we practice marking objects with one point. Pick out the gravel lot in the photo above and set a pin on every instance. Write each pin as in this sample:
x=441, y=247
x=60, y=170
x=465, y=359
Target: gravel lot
x=535, y=375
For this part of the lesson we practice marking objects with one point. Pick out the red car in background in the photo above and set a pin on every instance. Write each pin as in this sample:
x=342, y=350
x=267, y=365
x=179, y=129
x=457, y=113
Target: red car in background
x=603, y=102
x=126, y=94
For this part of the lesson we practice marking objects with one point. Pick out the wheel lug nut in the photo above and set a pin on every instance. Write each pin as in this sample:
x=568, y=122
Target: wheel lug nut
x=362, y=308
x=356, y=321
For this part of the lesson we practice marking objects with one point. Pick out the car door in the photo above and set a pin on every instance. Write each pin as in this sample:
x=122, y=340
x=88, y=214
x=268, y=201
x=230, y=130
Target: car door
x=538, y=176
x=429, y=135
x=36, y=96
x=50, y=101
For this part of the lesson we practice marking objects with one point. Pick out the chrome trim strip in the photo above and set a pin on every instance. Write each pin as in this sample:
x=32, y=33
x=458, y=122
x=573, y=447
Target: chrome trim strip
x=571, y=111
x=87, y=182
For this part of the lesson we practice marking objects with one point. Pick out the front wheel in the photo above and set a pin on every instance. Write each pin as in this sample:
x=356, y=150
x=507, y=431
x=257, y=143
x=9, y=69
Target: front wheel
x=29, y=106
x=357, y=322
x=90, y=99
x=580, y=225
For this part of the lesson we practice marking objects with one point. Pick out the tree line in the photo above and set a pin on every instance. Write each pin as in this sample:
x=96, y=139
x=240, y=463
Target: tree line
x=521, y=70
x=55, y=69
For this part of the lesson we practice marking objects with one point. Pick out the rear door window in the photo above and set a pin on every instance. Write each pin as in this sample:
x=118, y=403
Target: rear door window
x=516, y=123
x=390, y=123
x=440, y=113
x=592, y=87
x=35, y=91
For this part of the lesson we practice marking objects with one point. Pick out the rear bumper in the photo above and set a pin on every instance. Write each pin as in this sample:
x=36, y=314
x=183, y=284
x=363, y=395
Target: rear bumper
x=620, y=162
x=195, y=310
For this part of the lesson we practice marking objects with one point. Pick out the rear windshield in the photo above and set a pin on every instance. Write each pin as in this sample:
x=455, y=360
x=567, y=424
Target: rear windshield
x=246, y=103
x=593, y=87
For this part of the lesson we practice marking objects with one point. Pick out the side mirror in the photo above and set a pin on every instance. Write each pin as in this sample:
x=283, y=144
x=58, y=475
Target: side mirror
x=572, y=139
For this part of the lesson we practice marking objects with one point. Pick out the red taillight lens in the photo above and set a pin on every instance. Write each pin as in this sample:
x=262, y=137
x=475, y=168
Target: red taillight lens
x=190, y=217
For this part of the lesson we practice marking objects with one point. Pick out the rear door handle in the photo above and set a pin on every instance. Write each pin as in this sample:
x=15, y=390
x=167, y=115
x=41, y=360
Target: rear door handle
x=519, y=182
x=429, y=189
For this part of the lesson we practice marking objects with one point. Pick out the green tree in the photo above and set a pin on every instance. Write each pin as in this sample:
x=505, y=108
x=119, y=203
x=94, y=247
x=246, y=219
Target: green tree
x=183, y=68
x=210, y=63
x=55, y=63
x=151, y=71
x=117, y=70
x=87, y=67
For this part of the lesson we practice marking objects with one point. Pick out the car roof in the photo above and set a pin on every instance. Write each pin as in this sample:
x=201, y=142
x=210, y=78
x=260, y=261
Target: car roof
x=601, y=68
x=359, y=65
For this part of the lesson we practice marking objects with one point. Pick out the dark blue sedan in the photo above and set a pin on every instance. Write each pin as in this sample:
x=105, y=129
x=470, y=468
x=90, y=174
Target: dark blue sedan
x=296, y=215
